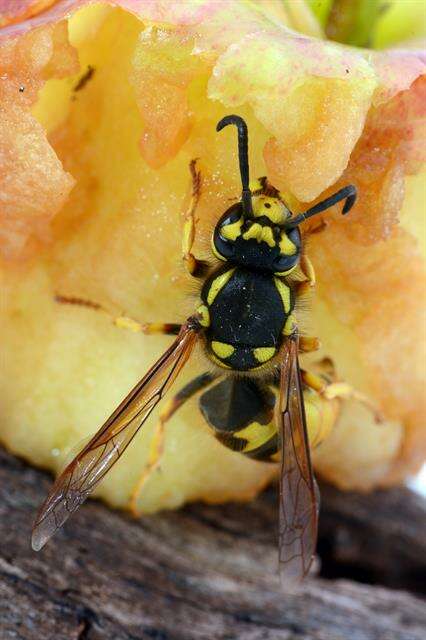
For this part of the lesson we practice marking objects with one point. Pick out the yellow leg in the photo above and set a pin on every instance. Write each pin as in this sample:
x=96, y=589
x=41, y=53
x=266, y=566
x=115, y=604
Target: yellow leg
x=194, y=266
x=319, y=228
x=307, y=269
x=156, y=450
x=308, y=344
x=148, y=328
x=345, y=391
x=124, y=322
x=339, y=390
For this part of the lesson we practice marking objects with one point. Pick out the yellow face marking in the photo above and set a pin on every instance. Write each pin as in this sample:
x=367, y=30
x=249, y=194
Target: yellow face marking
x=263, y=354
x=204, y=319
x=286, y=246
x=268, y=237
x=253, y=233
x=261, y=234
x=272, y=208
x=232, y=231
x=284, y=292
x=221, y=349
x=256, y=434
x=218, y=284
x=290, y=325
x=255, y=185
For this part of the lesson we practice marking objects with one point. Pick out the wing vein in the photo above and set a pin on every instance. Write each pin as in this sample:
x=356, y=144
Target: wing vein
x=107, y=446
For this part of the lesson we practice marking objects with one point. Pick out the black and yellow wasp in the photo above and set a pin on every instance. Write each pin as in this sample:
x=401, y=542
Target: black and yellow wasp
x=253, y=395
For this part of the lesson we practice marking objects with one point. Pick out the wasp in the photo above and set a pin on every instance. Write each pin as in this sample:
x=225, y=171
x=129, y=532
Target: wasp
x=252, y=396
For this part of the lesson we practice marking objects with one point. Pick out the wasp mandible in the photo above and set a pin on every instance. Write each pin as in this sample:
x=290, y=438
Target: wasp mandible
x=252, y=397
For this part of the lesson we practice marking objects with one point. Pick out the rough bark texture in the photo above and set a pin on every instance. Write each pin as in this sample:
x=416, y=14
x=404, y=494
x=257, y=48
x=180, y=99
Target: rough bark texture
x=206, y=572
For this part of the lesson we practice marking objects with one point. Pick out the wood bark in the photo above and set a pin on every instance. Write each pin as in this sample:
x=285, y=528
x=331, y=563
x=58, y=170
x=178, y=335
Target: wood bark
x=207, y=572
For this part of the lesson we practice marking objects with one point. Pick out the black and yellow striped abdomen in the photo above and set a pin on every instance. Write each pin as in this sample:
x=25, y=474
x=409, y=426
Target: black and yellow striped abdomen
x=241, y=413
x=245, y=314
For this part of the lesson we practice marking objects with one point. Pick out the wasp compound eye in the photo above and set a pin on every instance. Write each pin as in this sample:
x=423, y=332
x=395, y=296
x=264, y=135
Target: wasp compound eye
x=290, y=247
x=226, y=232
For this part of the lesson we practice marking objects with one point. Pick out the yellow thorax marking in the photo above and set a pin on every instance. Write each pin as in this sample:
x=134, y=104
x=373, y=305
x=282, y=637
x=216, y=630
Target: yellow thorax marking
x=218, y=284
x=290, y=325
x=285, y=273
x=222, y=350
x=204, y=320
x=218, y=361
x=284, y=292
x=232, y=231
x=263, y=354
x=286, y=245
x=256, y=434
x=261, y=234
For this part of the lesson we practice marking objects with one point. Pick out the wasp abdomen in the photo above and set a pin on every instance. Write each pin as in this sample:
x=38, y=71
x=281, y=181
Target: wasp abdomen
x=241, y=413
x=247, y=313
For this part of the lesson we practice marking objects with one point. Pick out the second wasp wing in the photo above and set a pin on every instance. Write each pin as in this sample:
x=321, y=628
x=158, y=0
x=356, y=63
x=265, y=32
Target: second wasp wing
x=299, y=497
x=88, y=468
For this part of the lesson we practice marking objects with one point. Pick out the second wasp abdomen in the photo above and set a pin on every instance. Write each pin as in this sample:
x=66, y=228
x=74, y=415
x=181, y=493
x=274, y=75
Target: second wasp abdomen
x=246, y=315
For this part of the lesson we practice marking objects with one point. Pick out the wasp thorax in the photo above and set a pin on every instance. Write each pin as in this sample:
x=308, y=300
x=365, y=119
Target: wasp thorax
x=260, y=240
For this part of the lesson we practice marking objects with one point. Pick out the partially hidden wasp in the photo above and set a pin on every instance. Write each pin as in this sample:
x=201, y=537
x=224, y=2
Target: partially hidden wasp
x=253, y=395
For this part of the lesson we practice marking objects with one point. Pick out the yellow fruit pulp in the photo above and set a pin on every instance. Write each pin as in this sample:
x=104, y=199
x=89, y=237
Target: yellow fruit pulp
x=105, y=226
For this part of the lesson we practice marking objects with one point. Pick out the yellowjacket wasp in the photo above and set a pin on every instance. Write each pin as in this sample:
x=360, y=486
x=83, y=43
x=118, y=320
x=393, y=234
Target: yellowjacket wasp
x=253, y=398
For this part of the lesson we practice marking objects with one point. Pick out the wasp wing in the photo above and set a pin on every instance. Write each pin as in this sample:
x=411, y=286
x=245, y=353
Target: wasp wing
x=298, y=490
x=88, y=468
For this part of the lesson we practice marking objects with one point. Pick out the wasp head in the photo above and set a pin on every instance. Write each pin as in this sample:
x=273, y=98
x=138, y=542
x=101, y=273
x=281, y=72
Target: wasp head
x=260, y=232
x=260, y=239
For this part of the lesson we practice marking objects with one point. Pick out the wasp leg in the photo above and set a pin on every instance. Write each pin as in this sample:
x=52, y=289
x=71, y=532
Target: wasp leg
x=308, y=344
x=124, y=322
x=194, y=267
x=319, y=228
x=148, y=328
x=307, y=269
x=156, y=450
x=340, y=391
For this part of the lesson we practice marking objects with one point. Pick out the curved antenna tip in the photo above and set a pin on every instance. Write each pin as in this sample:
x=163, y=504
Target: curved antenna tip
x=242, y=156
x=348, y=194
x=231, y=119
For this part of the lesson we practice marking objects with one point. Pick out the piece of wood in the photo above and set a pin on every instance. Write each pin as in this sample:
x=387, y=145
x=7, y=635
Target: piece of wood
x=202, y=573
x=379, y=538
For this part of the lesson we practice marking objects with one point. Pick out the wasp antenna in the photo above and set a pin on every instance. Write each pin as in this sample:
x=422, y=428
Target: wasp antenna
x=348, y=193
x=242, y=157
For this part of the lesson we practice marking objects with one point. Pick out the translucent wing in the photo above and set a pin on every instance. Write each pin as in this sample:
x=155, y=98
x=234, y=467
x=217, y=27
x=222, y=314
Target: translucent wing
x=88, y=468
x=298, y=489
